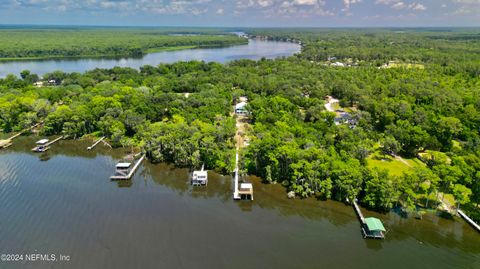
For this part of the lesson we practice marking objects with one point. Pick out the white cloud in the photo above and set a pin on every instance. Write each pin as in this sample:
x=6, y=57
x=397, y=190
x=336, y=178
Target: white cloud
x=417, y=7
x=399, y=5
x=386, y=2
x=467, y=7
x=348, y=3
x=470, y=2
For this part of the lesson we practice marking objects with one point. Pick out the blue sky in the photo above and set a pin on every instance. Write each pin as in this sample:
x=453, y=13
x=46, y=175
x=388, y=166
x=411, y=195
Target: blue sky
x=262, y=13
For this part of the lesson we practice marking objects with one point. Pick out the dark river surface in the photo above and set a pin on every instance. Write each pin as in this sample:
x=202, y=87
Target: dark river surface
x=63, y=202
x=255, y=50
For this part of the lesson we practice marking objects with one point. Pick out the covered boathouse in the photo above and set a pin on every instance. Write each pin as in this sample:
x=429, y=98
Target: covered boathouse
x=373, y=228
x=200, y=178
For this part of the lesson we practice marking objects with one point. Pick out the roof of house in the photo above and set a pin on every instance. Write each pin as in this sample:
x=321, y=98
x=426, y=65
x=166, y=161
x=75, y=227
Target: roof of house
x=374, y=224
x=240, y=105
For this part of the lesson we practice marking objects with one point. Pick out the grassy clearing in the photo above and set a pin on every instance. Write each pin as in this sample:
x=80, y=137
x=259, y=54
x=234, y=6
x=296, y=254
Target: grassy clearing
x=405, y=65
x=395, y=167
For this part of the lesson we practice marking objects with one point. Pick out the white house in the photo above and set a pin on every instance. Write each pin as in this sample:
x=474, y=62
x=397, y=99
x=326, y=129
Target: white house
x=240, y=108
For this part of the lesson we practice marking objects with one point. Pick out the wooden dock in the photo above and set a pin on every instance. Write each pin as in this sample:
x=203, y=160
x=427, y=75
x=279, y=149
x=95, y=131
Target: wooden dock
x=43, y=145
x=5, y=143
x=8, y=142
x=54, y=141
x=242, y=191
x=96, y=143
x=359, y=212
x=130, y=174
x=469, y=220
x=371, y=227
x=236, y=195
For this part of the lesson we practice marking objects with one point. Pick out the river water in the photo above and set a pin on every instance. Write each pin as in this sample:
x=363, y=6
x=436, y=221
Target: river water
x=63, y=202
x=255, y=50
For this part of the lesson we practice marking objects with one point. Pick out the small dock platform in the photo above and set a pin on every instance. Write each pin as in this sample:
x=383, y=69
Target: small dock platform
x=371, y=227
x=246, y=191
x=44, y=144
x=200, y=178
x=469, y=220
x=96, y=143
x=124, y=171
x=5, y=143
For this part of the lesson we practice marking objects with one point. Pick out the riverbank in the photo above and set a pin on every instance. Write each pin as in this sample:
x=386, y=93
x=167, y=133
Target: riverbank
x=67, y=194
x=117, y=56
x=24, y=43
x=247, y=49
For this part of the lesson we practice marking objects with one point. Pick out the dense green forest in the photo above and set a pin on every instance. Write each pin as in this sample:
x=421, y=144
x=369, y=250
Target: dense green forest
x=399, y=114
x=21, y=43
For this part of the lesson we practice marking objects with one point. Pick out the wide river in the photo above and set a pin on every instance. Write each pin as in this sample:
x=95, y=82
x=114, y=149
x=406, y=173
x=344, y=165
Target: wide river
x=255, y=50
x=63, y=202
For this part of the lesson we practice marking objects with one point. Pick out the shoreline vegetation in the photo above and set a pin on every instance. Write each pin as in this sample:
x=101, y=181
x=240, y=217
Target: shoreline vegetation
x=399, y=137
x=112, y=56
x=20, y=43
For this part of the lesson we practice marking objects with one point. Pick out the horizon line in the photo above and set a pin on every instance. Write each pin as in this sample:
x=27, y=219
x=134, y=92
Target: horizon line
x=225, y=27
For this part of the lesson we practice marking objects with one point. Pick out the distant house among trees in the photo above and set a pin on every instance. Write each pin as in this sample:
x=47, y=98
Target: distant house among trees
x=240, y=108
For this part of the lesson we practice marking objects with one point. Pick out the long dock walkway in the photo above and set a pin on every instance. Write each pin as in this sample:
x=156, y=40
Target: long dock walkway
x=469, y=220
x=132, y=171
x=8, y=142
x=359, y=212
x=96, y=143
x=54, y=141
x=236, y=194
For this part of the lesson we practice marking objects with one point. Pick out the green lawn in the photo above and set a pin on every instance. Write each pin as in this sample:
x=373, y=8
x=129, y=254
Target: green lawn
x=394, y=167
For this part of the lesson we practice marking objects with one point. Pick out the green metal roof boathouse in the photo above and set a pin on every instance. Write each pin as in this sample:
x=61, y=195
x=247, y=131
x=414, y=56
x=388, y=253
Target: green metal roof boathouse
x=373, y=228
